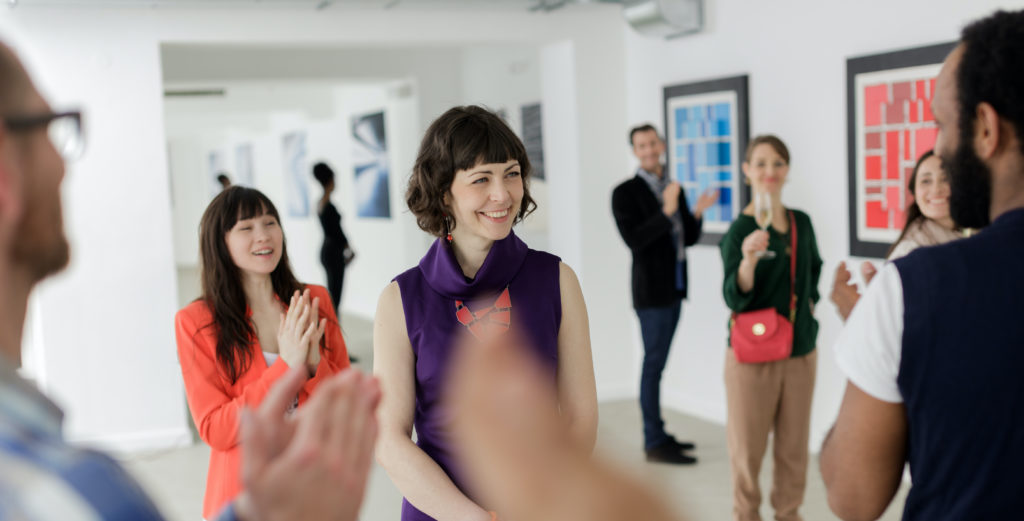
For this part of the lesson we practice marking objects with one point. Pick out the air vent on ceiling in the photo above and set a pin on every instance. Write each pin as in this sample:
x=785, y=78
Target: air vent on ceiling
x=661, y=18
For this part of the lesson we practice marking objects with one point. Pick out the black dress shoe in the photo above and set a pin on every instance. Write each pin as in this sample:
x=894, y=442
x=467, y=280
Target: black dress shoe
x=681, y=445
x=667, y=453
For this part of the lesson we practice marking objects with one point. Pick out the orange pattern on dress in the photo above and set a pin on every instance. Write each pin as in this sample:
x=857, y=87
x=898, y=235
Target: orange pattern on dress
x=487, y=322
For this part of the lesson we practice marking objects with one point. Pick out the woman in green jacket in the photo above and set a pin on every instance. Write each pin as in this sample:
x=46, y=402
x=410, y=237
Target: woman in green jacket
x=771, y=397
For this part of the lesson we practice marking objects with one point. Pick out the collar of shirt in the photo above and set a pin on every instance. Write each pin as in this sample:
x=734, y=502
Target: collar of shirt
x=656, y=183
x=22, y=405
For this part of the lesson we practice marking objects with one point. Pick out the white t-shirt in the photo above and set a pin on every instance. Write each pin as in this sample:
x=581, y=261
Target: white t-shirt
x=869, y=348
x=270, y=358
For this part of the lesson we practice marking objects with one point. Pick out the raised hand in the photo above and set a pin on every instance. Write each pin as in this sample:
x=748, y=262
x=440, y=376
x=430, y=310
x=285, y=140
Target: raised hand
x=844, y=293
x=516, y=450
x=705, y=201
x=508, y=429
x=313, y=357
x=313, y=466
x=296, y=329
x=868, y=271
x=670, y=196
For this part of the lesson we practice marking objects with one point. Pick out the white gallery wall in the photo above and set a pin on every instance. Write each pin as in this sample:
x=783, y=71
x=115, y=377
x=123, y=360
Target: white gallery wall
x=795, y=55
x=504, y=79
x=104, y=343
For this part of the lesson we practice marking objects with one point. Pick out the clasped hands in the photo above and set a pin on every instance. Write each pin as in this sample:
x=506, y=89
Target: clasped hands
x=300, y=331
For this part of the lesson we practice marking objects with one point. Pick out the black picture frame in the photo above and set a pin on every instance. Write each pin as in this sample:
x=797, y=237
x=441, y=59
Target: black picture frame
x=861, y=246
x=740, y=192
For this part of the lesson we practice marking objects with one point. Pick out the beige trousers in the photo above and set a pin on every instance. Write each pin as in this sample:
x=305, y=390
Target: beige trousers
x=763, y=398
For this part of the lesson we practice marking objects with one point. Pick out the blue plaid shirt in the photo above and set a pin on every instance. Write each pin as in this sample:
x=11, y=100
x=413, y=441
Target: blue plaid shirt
x=44, y=478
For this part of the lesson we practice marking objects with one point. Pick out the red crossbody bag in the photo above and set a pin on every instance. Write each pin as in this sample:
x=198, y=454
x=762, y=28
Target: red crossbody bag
x=764, y=335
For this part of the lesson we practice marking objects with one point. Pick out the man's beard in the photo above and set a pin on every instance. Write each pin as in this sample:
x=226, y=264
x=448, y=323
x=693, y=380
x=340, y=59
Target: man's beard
x=971, y=186
x=41, y=257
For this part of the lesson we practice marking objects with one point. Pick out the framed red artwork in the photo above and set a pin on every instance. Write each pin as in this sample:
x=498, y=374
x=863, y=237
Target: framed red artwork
x=889, y=125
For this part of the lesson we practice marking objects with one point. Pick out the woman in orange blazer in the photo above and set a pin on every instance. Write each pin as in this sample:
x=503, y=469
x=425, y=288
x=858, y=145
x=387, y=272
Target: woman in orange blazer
x=253, y=322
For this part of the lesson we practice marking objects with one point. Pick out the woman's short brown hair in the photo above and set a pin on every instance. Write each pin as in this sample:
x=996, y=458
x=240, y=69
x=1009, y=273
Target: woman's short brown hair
x=463, y=137
x=767, y=139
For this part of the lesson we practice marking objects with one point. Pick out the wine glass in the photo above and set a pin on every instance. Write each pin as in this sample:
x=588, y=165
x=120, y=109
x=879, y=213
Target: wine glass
x=763, y=216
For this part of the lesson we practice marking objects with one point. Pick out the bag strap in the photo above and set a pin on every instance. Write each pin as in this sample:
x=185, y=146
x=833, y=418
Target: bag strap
x=792, y=267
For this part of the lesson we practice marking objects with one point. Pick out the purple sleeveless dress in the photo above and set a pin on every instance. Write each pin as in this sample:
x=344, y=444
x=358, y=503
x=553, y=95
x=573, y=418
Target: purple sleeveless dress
x=431, y=293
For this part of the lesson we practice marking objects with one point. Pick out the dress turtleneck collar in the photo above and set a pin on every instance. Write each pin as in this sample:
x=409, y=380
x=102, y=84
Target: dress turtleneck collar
x=443, y=274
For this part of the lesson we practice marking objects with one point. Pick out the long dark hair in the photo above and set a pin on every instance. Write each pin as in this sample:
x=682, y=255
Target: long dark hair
x=221, y=279
x=913, y=211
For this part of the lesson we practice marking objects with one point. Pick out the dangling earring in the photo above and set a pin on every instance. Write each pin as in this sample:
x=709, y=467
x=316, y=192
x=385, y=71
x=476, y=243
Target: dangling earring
x=447, y=228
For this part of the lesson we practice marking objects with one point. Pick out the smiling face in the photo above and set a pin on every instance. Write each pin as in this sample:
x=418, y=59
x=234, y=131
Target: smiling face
x=648, y=148
x=256, y=244
x=931, y=190
x=484, y=200
x=766, y=169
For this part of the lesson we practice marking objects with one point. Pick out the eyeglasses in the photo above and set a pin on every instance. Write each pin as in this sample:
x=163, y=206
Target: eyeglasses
x=63, y=128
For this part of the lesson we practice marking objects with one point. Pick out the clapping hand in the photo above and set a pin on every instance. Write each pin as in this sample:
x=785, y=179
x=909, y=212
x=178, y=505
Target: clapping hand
x=844, y=292
x=670, y=196
x=313, y=357
x=508, y=427
x=705, y=201
x=296, y=330
x=312, y=465
x=868, y=271
x=516, y=450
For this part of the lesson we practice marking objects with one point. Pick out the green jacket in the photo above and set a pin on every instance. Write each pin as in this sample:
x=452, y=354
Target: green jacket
x=771, y=277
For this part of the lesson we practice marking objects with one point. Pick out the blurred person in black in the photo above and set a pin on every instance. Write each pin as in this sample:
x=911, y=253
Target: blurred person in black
x=335, y=253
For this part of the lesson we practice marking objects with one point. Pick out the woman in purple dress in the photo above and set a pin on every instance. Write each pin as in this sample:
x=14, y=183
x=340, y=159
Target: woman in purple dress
x=469, y=186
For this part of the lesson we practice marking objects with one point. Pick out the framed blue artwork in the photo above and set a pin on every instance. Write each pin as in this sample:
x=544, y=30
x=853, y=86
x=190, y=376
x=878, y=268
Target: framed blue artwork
x=372, y=168
x=293, y=154
x=706, y=132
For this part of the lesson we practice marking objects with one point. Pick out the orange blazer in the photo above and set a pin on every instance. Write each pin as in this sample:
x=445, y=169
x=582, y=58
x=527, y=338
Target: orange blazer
x=216, y=404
